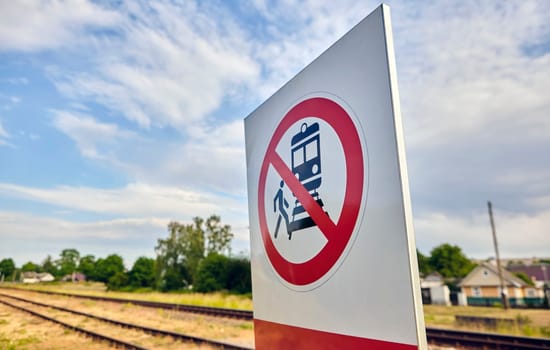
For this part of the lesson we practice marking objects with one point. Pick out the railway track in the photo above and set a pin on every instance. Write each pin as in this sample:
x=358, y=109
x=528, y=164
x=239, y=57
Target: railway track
x=476, y=340
x=436, y=336
x=205, y=310
x=114, y=341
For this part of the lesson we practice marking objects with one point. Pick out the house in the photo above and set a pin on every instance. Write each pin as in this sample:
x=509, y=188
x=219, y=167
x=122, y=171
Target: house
x=29, y=277
x=45, y=277
x=79, y=277
x=434, y=290
x=34, y=277
x=434, y=279
x=74, y=277
x=482, y=288
x=538, y=273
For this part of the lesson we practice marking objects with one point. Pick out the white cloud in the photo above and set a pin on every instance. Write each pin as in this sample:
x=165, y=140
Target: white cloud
x=41, y=236
x=4, y=135
x=176, y=77
x=170, y=65
x=36, y=227
x=134, y=200
x=5, y=143
x=88, y=133
x=129, y=236
x=298, y=37
x=15, y=80
x=3, y=132
x=465, y=71
x=519, y=235
x=35, y=25
x=540, y=202
x=7, y=102
x=474, y=102
x=213, y=159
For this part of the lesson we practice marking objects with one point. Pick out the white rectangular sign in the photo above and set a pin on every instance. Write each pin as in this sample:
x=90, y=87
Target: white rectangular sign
x=332, y=242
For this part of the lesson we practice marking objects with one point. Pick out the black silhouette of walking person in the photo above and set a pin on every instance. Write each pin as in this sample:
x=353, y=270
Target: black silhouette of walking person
x=280, y=202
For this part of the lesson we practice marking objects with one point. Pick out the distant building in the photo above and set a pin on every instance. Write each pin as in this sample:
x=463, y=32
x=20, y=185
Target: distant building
x=34, y=277
x=434, y=290
x=482, y=287
x=74, y=277
x=538, y=273
x=434, y=279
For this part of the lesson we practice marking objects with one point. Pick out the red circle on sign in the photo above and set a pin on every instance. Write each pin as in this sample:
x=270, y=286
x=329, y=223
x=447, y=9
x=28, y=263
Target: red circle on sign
x=338, y=234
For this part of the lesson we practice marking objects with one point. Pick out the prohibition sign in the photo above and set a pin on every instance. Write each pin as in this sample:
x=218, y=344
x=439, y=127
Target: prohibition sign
x=337, y=234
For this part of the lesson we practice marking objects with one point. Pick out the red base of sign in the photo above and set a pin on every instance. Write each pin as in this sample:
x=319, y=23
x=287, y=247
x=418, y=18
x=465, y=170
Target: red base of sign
x=270, y=335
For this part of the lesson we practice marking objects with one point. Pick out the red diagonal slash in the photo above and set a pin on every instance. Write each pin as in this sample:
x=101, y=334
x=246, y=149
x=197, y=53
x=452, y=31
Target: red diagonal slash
x=325, y=224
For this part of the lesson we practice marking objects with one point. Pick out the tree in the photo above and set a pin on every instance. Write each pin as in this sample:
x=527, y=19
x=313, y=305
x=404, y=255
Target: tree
x=423, y=263
x=238, y=276
x=108, y=267
x=185, y=247
x=30, y=267
x=191, y=240
x=68, y=261
x=142, y=273
x=7, y=268
x=218, y=236
x=211, y=273
x=449, y=261
x=48, y=265
x=171, y=273
x=117, y=281
x=218, y=272
x=87, y=266
x=173, y=278
x=523, y=276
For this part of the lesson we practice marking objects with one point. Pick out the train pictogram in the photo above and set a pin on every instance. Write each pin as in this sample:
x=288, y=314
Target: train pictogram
x=305, y=151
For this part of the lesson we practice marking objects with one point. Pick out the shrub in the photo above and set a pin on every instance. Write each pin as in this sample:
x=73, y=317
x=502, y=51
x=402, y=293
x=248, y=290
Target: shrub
x=238, y=276
x=212, y=273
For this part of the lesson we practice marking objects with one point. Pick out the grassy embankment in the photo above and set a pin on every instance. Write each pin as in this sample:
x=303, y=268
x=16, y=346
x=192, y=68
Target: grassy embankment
x=528, y=322
x=98, y=289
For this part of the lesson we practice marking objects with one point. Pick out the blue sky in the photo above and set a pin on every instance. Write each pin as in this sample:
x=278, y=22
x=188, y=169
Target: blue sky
x=117, y=117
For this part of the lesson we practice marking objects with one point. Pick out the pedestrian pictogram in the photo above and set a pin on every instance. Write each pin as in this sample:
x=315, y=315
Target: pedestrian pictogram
x=302, y=174
x=279, y=205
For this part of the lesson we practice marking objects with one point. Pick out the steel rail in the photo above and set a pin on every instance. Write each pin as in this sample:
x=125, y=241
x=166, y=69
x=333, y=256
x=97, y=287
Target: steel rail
x=93, y=335
x=478, y=340
x=148, y=330
x=205, y=310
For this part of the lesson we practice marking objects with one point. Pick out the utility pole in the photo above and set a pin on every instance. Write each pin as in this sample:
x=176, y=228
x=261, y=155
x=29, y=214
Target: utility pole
x=502, y=294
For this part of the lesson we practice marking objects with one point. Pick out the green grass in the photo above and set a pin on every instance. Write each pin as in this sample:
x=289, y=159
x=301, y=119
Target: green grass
x=8, y=343
x=218, y=299
x=527, y=322
x=246, y=325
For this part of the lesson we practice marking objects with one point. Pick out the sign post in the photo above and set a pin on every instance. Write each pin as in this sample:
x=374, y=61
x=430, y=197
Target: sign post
x=332, y=244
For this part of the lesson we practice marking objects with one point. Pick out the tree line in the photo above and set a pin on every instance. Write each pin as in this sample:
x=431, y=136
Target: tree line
x=197, y=256
x=447, y=259
x=194, y=256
